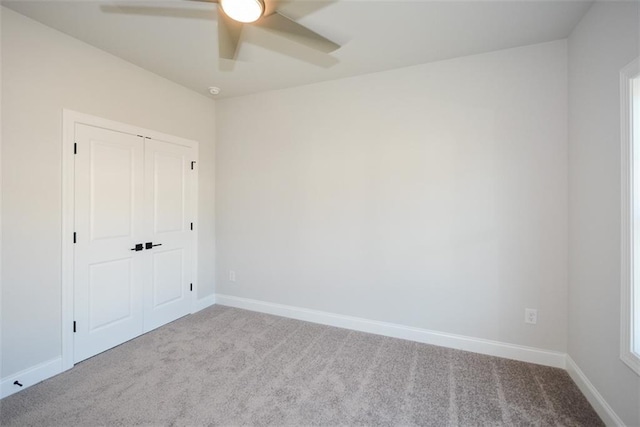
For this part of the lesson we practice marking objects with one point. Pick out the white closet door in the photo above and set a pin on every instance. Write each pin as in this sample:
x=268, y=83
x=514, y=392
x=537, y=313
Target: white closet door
x=108, y=275
x=168, y=216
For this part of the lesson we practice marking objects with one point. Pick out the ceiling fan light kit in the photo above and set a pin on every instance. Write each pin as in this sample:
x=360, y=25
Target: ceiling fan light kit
x=245, y=11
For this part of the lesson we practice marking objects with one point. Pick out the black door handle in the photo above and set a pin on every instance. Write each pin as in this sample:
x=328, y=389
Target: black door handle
x=138, y=247
x=150, y=245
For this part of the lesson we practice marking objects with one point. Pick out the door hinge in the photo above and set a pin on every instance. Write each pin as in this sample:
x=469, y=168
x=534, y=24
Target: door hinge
x=75, y=148
x=74, y=237
x=74, y=326
x=192, y=163
x=191, y=226
x=191, y=287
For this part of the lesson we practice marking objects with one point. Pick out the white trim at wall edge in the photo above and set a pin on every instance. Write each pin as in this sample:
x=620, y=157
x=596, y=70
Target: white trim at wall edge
x=629, y=234
x=603, y=409
x=203, y=303
x=30, y=376
x=460, y=342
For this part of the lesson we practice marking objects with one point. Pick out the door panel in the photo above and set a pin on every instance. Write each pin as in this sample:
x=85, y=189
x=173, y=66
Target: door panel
x=168, y=277
x=111, y=288
x=169, y=192
x=111, y=178
x=169, y=209
x=109, y=209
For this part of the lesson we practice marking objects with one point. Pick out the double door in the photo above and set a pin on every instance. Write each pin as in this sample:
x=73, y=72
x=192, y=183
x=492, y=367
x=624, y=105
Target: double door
x=133, y=251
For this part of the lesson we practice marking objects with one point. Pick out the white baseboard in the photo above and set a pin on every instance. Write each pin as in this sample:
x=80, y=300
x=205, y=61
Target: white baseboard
x=596, y=400
x=30, y=376
x=476, y=345
x=203, y=303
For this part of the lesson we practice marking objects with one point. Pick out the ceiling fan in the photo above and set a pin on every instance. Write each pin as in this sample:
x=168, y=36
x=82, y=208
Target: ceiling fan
x=233, y=15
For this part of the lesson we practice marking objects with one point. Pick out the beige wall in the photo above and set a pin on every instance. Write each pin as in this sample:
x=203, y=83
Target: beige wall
x=604, y=42
x=432, y=196
x=44, y=71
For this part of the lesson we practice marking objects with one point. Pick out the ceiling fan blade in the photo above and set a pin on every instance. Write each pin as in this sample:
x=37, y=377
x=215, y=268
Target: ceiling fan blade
x=273, y=42
x=278, y=23
x=297, y=9
x=229, y=32
x=158, y=11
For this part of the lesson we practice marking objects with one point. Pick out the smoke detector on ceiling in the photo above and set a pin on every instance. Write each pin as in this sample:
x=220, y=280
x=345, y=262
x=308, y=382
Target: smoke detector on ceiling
x=214, y=90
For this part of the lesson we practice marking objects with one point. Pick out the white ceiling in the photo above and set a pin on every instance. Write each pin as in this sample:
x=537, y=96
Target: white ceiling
x=181, y=44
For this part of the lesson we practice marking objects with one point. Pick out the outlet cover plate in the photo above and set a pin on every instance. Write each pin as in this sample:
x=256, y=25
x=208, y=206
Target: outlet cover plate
x=530, y=316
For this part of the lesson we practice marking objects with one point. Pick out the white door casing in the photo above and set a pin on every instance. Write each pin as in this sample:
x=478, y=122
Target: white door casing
x=125, y=186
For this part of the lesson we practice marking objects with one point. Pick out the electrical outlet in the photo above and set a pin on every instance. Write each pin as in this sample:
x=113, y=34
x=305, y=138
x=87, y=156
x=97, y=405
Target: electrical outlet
x=232, y=276
x=530, y=316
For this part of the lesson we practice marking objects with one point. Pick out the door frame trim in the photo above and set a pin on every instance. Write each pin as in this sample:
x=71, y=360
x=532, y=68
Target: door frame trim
x=69, y=120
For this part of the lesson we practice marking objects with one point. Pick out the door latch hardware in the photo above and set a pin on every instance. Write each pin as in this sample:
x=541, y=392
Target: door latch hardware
x=150, y=245
x=16, y=382
x=138, y=247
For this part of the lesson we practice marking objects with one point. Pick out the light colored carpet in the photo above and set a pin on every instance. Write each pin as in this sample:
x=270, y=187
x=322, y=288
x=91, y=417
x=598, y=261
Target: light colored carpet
x=225, y=366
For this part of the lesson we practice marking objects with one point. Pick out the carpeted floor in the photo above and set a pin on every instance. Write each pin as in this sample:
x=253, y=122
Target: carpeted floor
x=225, y=366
